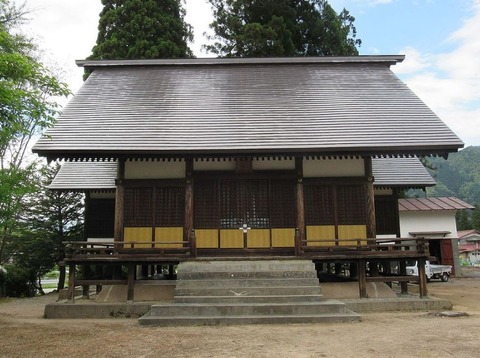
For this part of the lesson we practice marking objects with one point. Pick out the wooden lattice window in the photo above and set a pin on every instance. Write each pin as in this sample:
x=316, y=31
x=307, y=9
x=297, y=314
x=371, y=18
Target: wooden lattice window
x=99, y=221
x=169, y=206
x=386, y=215
x=138, y=207
x=282, y=204
x=351, y=207
x=319, y=205
x=206, y=204
x=231, y=204
x=256, y=204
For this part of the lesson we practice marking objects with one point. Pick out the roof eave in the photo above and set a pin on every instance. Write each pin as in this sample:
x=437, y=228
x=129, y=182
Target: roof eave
x=441, y=151
x=380, y=59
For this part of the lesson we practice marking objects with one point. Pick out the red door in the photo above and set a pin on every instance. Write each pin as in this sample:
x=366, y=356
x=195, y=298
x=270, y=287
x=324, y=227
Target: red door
x=447, y=253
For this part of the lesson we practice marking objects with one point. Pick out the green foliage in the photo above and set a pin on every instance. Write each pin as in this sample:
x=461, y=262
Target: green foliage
x=142, y=29
x=264, y=28
x=28, y=92
x=19, y=282
x=49, y=219
x=459, y=176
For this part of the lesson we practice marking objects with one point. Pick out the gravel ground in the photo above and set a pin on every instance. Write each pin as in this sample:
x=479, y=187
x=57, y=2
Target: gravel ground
x=25, y=333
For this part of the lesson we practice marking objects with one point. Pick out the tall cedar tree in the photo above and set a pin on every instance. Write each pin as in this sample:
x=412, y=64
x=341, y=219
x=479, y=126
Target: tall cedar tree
x=270, y=28
x=142, y=29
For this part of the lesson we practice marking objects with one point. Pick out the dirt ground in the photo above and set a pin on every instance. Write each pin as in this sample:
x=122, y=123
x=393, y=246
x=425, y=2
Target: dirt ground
x=24, y=333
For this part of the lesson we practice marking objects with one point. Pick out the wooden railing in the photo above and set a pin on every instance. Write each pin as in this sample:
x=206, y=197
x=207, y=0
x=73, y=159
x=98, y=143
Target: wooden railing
x=365, y=247
x=101, y=249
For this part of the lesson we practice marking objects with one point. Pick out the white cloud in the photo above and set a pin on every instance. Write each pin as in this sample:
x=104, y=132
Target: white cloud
x=450, y=82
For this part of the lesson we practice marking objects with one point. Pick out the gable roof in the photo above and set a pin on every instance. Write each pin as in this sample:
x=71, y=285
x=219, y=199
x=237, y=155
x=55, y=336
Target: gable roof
x=100, y=175
x=432, y=204
x=219, y=107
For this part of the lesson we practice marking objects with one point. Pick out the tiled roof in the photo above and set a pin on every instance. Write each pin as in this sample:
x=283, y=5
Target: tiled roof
x=432, y=204
x=91, y=175
x=401, y=172
x=328, y=105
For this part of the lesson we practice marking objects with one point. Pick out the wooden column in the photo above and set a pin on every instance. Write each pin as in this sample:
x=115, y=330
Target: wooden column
x=422, y=278
x=71, y=282
x=188, y=234
x=119, y=200
x=300, y=232
x=362, y=278
x=403, y=272
x=131, y=282
x=370, y=200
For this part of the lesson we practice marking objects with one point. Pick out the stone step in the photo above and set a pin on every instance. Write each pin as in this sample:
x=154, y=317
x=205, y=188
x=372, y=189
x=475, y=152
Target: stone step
x=246, y=266
x=228, y=290
x=213, y=275
x=249, y=299
x=246, y=309
x=347, y=316
x=247, y=282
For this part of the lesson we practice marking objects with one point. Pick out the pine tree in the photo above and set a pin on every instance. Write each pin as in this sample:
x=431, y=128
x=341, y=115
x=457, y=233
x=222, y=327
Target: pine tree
x=142, y=29
x=263, y=28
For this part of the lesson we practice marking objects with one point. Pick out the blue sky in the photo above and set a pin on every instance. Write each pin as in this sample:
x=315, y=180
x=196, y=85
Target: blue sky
x=440, y=39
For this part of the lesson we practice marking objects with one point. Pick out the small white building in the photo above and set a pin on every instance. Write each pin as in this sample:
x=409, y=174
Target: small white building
x=434, y=218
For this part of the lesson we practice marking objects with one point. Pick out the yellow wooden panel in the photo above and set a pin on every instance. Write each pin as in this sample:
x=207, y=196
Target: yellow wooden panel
x=207, y=238
x=137, y=234
x=352, y=232
x=168, y=234
x=231, y=239
x=321, y=232
x=258, y=238
x=283, y=237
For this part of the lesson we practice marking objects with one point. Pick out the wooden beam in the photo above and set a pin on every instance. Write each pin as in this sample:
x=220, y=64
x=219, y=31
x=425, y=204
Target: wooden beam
x=71, y=282
x=131, y=282
x=362, y=278
x=403, y=272
x=119, y=201
x=422, y=277
x=300, y=234
x=370, y=200
x=188, y=224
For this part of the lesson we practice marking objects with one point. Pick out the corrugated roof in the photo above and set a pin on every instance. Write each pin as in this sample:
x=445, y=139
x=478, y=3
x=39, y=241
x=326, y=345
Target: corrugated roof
x=432, y=204
x=91, y=175
x=100, y=175
x=250, y=106
x=401, y=172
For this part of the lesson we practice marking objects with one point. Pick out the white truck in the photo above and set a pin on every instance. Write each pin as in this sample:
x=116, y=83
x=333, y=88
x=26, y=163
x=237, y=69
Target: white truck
x=441, y=272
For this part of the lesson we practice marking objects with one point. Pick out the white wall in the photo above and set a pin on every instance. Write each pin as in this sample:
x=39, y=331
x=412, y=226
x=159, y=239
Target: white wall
x=428, y=221
x=345, y=167
x=152, y=169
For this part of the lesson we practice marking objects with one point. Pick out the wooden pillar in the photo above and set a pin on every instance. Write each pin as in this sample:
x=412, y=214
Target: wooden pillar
x=403, y=272
x=300, y=234
x=119, y=200
x=362, y=278
x=130, y=282
x=353, y=270
x=71, y=282
x=188, y=234
x=370, y=200
x=422, y=278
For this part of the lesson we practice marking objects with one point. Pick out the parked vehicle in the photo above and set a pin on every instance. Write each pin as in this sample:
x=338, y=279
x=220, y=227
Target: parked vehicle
x=441, y=272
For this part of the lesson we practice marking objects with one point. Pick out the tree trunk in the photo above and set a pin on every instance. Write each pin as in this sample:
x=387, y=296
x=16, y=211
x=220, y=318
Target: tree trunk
x=61, y=278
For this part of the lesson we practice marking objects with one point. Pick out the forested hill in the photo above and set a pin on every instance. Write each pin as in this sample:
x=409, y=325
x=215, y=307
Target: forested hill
x=458, y=176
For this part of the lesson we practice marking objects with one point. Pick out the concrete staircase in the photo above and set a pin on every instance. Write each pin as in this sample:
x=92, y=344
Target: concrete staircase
x=247, y=292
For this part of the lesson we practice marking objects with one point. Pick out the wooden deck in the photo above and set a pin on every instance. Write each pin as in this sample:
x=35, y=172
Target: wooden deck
x=365, y=256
